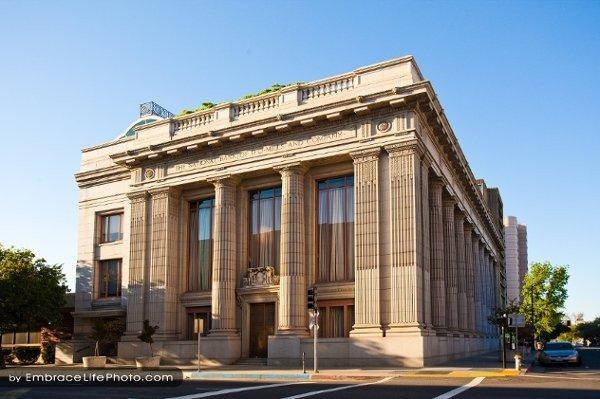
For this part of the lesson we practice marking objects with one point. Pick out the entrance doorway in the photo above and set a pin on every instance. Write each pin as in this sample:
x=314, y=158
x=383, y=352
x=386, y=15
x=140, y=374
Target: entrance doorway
x=262, y=324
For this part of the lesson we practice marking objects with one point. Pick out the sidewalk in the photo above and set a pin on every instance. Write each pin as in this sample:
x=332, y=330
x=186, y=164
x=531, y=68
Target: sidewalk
x=487, y=365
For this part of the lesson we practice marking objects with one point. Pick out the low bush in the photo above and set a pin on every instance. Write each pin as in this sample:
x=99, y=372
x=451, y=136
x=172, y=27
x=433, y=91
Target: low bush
x=27, y=354
x=48, y=351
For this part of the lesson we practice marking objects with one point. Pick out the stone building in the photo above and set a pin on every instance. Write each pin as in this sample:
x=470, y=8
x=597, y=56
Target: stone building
x=515, y=244
x=219, y=220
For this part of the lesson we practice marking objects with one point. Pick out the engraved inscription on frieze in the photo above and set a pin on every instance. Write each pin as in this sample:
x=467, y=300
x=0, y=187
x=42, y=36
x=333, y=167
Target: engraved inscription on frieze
x=258, y=148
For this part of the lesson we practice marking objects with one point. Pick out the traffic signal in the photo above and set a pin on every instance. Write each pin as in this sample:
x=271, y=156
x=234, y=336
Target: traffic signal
x=311, y=298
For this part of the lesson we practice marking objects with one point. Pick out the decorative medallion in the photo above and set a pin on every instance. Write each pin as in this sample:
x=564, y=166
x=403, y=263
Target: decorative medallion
x=149, y=174
x=384, y=126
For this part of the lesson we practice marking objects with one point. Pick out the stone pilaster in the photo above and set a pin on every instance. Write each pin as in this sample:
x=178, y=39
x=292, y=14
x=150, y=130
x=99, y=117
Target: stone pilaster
x=438, y=274
x=224, y=257
x=163, y=276
x=367, y=307
x=292, y=280
x=409, y=229
x=459, y=231
x=470, y=278
x=486, y=292
x=137, y=262
x=450, y=265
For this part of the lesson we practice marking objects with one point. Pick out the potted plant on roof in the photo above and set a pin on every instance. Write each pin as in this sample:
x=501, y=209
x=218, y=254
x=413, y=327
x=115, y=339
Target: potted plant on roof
x=152, y=362
x=99, y=334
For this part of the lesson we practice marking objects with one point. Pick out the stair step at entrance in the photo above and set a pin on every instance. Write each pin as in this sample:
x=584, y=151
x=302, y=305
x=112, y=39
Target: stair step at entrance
x=252, y=361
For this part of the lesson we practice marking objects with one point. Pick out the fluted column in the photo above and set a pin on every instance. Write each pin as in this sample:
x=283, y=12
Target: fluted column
x=137, y=262
x=470, y=278
x=164, y=276
x=450, y=265
x=477, y=283
x=486, y=292
x=438, y=274
x=224, y=257
x=292, y=270
x=459, y=230
x=367, y=308
x=409, y=230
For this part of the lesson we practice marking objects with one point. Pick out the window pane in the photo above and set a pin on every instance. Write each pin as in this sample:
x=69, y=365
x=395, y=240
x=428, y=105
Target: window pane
x=336, y=229
x=336, y=321
x=115, y=227
x=265, y=215
x=201, y=245
x=110, y=278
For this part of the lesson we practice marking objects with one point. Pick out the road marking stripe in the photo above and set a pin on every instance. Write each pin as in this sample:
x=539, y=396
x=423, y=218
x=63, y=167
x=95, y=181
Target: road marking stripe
x=312, y=393
x=456, y=391
x=233, y=390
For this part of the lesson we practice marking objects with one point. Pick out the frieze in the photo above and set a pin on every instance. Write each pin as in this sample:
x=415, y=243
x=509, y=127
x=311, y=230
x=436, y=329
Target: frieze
x=211, y=158
x=260, y=276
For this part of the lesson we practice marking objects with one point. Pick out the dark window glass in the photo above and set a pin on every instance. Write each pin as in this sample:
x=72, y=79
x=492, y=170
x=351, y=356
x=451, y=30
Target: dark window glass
x=110, y=278
x=111, y=227
x=336, y=229
x=201, y=245
x=265, y=227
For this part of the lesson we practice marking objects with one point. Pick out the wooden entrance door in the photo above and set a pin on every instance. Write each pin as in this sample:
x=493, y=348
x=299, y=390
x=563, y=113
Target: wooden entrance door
x=262, y=324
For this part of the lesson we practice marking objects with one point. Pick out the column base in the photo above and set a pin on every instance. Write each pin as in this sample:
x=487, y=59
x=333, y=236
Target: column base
x=402, y=329
x=366, y=331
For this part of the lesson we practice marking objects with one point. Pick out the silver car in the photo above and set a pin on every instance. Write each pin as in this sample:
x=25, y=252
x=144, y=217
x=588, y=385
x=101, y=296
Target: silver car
x=559, y=353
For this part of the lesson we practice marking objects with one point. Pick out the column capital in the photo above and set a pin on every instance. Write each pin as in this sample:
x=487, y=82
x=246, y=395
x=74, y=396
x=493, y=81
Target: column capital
x=448, y=202
x=162, y=192
x=292, y=167
x=409, y=147
x=468, y=227
x=138, y=196
x=224, y=180
x=366, y=155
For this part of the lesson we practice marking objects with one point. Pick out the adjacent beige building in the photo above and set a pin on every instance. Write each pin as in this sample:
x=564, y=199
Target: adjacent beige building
x=515, y=243
x=218, y=221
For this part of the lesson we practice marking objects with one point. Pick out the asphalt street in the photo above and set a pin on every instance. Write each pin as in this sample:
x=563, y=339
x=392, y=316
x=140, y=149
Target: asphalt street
x=540, y=383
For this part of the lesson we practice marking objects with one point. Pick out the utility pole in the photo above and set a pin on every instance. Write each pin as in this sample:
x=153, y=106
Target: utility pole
x=504, y=321
x=533, y=348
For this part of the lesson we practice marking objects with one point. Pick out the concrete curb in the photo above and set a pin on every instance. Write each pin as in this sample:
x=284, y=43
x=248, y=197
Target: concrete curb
x=222, y=375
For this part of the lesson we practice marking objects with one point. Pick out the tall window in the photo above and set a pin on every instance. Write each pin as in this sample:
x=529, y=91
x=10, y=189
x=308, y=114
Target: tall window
x=111, y=227
x=110, y=278
x=265, y=227
x=336, y=319
x=201, y=244
x=336, y=229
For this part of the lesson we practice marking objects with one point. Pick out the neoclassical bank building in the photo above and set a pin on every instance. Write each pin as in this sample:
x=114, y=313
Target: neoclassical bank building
x=217, y=221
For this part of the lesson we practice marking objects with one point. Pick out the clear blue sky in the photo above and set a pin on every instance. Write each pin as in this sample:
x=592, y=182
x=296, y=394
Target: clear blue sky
x=519, y=81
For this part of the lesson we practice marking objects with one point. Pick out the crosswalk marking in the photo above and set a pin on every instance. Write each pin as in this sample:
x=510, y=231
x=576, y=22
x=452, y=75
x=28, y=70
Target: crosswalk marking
x=454, y=392
x=233, y=390
x=312, y=393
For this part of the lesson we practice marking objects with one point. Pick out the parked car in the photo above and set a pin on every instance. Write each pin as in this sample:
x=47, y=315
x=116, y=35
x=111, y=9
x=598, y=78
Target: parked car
x=559, y=353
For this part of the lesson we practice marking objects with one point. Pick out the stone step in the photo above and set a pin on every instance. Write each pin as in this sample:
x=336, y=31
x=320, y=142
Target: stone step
x=251, y=361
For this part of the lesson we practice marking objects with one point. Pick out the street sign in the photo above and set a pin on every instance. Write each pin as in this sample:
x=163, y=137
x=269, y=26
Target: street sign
x=516, y=320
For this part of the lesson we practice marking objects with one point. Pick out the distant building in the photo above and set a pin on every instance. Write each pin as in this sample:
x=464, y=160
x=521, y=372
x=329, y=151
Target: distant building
x=515, y=247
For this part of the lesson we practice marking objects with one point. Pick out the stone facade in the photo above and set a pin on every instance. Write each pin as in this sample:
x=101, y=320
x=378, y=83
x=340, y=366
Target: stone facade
x=427, y=250
x=515, y=243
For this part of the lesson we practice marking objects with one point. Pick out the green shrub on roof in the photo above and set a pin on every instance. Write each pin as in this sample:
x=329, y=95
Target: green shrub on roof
x=202, y=107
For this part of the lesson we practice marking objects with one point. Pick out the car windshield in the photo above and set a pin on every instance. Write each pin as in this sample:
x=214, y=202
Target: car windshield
x=558, y=346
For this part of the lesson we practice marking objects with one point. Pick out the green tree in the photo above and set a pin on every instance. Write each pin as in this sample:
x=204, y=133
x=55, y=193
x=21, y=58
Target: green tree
x=32, y=292
x=543, y=296
x=590, y=331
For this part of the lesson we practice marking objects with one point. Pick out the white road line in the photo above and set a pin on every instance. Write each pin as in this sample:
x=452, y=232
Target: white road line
x=312, y=393
x=233, y=390
x=458, y=390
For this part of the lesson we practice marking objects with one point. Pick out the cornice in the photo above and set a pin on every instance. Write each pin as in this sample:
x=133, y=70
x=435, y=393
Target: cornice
x=102, y=176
